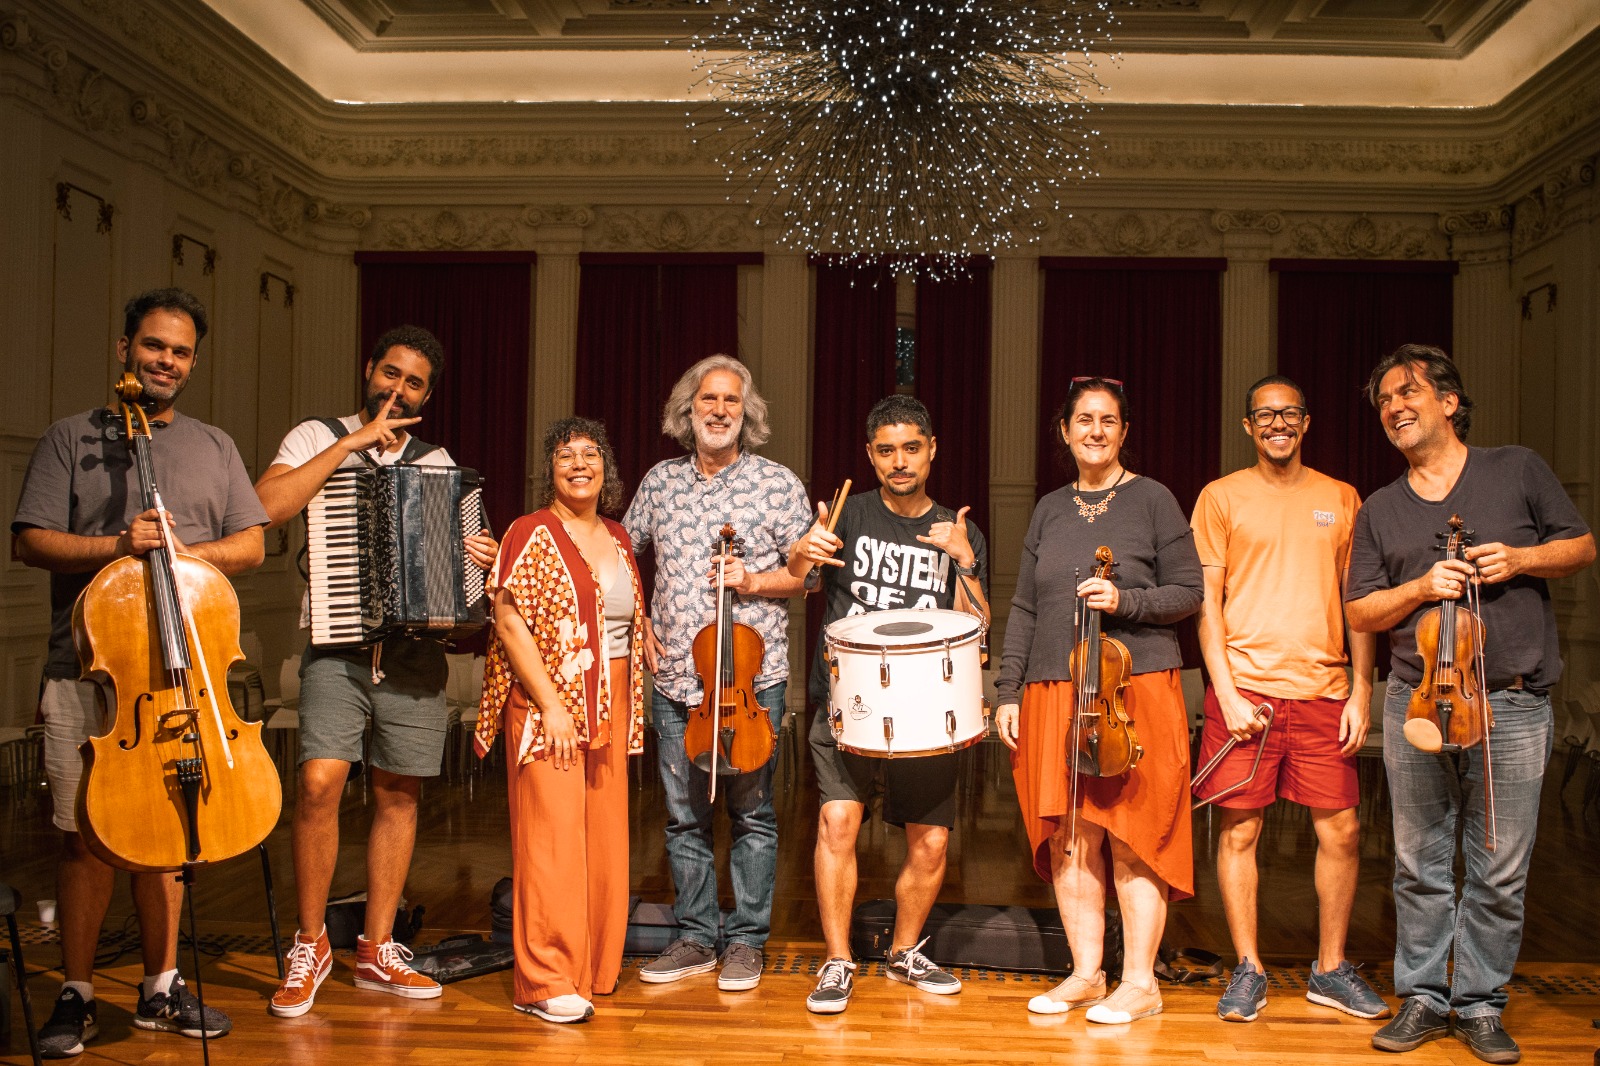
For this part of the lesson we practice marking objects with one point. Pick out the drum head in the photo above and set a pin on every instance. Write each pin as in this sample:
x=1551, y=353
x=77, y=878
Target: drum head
x=903, y=628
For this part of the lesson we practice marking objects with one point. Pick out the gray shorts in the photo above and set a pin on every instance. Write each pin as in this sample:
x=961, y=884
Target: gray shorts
x=73, y=712
x=407, y=710
x=920, y=791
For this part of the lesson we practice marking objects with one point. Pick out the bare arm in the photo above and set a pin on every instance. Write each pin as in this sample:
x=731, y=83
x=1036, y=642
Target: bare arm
x=285, y=490
x=774, y=584
x=1381, y=611
x=1238, y=714
x=69, y=553
x=1556, y=558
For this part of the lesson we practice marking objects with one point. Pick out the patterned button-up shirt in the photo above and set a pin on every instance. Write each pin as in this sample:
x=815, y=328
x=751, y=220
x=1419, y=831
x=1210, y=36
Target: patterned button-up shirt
x=678, y=512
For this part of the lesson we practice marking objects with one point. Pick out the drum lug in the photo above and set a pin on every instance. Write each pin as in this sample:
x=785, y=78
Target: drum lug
x=883, y=667
x=888, y=733
x=950, y=728
x=833, y=665
x=836, y=721
x=949, y=665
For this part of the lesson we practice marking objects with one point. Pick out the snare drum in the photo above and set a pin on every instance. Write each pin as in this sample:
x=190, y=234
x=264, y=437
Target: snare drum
x=905, y=683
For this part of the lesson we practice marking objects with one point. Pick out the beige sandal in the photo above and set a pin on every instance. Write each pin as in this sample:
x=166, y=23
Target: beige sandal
x=1075, y=991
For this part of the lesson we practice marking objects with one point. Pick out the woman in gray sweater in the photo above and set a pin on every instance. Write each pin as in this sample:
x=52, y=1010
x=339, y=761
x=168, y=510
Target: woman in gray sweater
x=1143, y=814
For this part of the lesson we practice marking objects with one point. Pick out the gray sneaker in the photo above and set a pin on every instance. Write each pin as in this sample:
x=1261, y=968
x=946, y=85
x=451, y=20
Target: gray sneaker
x=914, y=968
x=1245, y=995
x=741, y=968
x=683, y=958
x=835, y=982
x=1343, y=989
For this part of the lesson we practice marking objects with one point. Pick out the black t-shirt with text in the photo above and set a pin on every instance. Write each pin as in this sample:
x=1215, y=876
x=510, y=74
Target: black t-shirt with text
x=886, y=567
x=1506, y=495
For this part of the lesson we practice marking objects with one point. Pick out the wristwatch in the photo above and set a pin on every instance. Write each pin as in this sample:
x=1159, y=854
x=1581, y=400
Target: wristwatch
x=967, y=571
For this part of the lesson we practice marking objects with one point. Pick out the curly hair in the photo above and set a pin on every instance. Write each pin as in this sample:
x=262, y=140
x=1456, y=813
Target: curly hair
x=677, y=415
x=898, y=410
x=1435, y=367
x=135, y=310
x=564, y=431
x=418, y=340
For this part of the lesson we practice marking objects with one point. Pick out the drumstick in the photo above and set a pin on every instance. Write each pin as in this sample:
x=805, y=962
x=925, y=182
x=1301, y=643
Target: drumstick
x=833, y=519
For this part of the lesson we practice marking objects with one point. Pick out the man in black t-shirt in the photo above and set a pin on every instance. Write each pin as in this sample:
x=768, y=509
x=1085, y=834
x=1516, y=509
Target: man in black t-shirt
x=899, y=550
x=1525, y=530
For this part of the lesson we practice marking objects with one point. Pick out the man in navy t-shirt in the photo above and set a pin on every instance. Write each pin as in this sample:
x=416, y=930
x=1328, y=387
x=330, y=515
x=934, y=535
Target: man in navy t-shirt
x=1524, y=531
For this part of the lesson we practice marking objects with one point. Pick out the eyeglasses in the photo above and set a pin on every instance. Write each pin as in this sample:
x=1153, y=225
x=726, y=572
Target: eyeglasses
x=566, y=460
x=1096, y=377
x=1265, y=416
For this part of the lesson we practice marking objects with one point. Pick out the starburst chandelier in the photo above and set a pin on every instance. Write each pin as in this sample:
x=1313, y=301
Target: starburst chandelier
x=893, y=129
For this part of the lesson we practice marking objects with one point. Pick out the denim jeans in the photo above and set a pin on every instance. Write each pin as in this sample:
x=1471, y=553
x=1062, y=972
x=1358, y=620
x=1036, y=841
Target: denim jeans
x=1432, y=796
x=753, y=857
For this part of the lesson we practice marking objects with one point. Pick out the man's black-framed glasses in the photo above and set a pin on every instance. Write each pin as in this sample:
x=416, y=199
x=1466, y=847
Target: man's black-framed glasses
x=1265, y=416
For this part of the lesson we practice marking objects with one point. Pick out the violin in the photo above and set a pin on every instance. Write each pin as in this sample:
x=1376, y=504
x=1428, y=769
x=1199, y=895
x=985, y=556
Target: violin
x=1102, y=735
x=1449, y=709
x=178, y=778
x=729, y=733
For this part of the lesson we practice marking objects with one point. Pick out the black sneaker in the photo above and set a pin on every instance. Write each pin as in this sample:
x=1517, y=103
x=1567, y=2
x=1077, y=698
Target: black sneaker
x=1415, y=1025
x=71, y=1025
x=1487, y=1039
x=914, y=968
x=835, y=981
x=176, y=1011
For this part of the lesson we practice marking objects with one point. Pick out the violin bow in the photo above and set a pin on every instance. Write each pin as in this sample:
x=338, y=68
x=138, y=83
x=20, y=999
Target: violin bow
x=716, y=683
x=1475, y=605
x=131, y=411
x=1075, y=731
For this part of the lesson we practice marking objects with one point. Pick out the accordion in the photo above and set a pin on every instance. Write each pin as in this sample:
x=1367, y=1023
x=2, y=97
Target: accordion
x=385, y=556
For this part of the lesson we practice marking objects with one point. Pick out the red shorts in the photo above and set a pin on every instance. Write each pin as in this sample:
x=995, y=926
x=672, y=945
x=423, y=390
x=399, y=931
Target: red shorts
x=1301, y=762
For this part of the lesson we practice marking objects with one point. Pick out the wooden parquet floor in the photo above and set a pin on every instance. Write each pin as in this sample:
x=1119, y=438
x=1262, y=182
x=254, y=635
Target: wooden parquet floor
x=462, y=851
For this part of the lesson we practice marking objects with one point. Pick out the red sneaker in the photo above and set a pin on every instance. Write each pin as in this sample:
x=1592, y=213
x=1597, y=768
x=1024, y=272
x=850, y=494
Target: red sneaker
x=382, y=967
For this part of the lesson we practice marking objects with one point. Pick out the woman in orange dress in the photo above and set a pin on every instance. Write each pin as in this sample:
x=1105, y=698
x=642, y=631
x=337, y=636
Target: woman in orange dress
x=1133, y=827
x=564, y=679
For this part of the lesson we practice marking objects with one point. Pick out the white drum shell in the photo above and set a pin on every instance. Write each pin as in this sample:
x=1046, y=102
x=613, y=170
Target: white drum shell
x=905, y=695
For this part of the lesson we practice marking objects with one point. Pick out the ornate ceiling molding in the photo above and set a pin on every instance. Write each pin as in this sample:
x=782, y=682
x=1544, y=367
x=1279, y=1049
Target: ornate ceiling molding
x=449, y=231
x=1269, y=222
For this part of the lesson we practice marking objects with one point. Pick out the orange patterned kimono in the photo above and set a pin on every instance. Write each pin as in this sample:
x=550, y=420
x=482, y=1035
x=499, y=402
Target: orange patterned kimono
x=569, y=827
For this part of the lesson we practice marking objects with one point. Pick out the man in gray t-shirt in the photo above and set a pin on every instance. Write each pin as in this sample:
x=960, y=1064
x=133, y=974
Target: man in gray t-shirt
x=80, y=509
x=1527, y=532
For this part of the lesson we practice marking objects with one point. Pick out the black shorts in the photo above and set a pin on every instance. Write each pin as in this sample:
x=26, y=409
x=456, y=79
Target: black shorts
x=920, y=790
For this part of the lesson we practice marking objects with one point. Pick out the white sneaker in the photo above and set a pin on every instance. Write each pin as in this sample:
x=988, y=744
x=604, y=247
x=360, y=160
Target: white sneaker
x=562, y=1010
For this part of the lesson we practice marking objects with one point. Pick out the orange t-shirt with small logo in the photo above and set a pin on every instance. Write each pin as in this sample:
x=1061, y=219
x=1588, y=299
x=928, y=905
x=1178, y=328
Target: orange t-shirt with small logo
x=1284, y=552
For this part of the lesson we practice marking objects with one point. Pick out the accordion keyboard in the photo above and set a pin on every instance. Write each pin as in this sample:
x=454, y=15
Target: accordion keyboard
x=333, y=560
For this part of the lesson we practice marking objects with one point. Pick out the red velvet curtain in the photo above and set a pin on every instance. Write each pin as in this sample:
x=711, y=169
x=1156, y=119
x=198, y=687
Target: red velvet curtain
x=1335, y=320
x=643, y=321
x=853, y=369
x=1155, y=324
x=480, y=307
x=952, y=379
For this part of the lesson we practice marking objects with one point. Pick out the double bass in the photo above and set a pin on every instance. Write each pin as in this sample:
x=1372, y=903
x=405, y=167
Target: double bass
x=178, y=778
x=1449, y=710
x=730, y=732
x=1101, y=742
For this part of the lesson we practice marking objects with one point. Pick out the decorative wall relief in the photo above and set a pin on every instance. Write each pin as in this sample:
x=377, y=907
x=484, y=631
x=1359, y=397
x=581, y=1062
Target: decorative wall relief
x=1247, y=221
x=1552, y=207
x=448, y=231
x=1361, y=238
x=677, y=230
x=1144, y=233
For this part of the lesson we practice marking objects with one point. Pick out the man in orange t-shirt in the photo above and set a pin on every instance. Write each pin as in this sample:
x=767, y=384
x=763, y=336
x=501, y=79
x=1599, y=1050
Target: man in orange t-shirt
x=1274, y=540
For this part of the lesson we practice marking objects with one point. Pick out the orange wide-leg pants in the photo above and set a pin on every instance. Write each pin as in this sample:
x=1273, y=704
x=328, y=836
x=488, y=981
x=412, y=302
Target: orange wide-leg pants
x=569, y=847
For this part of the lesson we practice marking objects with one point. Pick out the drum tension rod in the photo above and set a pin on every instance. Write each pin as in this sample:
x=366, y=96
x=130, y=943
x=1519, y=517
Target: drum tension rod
x=949, y=666
x=883, y=667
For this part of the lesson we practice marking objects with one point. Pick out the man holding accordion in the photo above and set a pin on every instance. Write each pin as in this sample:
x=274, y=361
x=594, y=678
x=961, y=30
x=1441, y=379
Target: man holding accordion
x=397, y=682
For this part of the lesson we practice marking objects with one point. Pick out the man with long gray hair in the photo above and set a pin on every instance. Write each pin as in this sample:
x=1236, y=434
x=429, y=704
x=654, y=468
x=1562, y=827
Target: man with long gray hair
x=715, y=413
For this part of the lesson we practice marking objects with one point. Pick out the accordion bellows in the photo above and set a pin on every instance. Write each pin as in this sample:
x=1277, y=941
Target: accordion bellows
x=385, y=555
